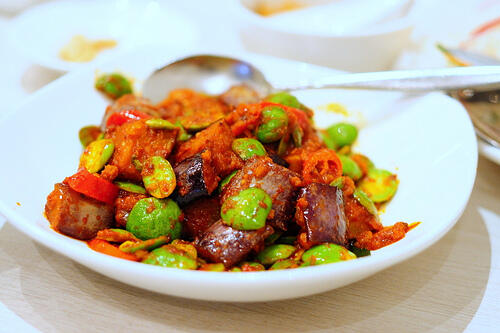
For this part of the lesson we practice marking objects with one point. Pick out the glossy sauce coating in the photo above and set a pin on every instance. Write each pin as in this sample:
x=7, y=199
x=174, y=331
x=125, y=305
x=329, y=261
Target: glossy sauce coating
x=290, y=201
x=200, y=215
x=320, y=213
x=216, y=140
x=223, y=244
x=137, y=141
x=75, y=215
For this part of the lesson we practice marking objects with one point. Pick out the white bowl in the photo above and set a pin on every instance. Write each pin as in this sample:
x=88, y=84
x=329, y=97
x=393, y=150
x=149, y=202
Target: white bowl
x=371, y=48
x=40, y=32
x=39, y=145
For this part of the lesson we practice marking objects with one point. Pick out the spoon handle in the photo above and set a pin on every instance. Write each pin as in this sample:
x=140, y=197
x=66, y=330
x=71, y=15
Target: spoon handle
x=448, y=79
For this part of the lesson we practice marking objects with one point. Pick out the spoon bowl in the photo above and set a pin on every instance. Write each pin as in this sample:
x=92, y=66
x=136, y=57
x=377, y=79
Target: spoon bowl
x=206, y=73
x=213, y=75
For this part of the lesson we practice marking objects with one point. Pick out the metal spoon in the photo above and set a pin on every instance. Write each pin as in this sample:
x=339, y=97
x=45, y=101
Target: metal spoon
x=215, y=74
x=484, y=111
x=483, y=106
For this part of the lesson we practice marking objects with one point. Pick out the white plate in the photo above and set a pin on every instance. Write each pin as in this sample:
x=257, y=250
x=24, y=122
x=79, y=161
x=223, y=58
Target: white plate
x=40, y=32
x=40, y=147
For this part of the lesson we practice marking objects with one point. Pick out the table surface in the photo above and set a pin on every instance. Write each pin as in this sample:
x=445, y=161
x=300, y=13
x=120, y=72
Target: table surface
x=453, y=286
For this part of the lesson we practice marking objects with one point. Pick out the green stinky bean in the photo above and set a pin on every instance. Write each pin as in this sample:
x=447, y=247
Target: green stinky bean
x=182, y=135
x=326, y=254
x=247, y=148
x=342, y=134
x=158, y=177
x=169, y=256
x=213, y=267
x=329, y=142
x=286, y=99
x=272, y=238
x=152, y=218
x=116, y=235
x=158, y=123
x=186, y=247
x=226, y=180
x=148, y=245
x=275, y=252
x=247, y=210
x=97, y=154
x=297, y=136
x=359, y=252
x=282, y=146
x=130, y=187
x=89, y=134
x=249, y=266
x=380, y=185
x=365, y=160
x=365, y=201
x=113, y=85
x=273, y=126
x=137, y=164
x=338, y=182
x=284, y=264
x=350, y=168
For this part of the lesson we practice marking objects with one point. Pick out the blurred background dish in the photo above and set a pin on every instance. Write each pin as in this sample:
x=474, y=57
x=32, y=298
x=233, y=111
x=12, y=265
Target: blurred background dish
x=41, y=32
x=9, y=6
x=478, y=32
x=485, y=39
x=354, y=35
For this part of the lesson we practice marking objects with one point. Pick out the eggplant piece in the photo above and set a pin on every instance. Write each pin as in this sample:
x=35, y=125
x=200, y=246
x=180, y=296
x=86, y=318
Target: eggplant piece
x=278, y=182
x=222, y=244
x=199, y=215
x=76, y=215
x=320, y=213
x=195, y=178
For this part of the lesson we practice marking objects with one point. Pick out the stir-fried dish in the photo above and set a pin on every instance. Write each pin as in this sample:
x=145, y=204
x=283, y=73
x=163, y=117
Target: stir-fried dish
x=222, y=183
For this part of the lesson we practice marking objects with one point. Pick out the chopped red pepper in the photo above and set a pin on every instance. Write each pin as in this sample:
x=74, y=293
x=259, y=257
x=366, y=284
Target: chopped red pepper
x=93, y=186
x=105, y=247
x=120, y=118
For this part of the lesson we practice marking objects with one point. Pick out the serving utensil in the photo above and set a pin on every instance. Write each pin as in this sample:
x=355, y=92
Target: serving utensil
x=483, y=106
x=215, y=74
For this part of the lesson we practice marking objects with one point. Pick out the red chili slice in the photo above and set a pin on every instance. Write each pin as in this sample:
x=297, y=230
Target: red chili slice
x=120, y=118
x=93, y=186
x=104, y=247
